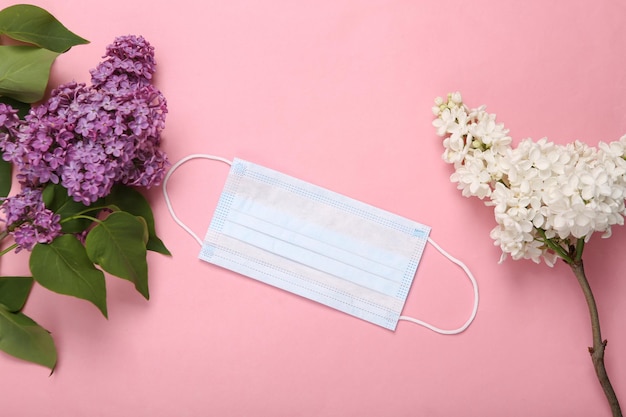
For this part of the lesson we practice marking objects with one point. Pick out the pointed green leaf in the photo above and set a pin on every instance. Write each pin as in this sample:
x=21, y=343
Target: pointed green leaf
x=130, y=200
x=24, y=72
x=21, y=337
x=6, y=176
x=63, y=267
x=156, y=245
x=118, y=245
x=14, y=292
x=55, y=198
x=35, y=25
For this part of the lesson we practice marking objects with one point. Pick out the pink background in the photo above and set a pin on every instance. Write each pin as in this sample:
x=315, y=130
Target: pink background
x=338, y=93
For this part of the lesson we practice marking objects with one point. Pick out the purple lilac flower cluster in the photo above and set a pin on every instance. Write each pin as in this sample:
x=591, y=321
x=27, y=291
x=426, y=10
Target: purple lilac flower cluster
x=28, y=220
x=89, y=138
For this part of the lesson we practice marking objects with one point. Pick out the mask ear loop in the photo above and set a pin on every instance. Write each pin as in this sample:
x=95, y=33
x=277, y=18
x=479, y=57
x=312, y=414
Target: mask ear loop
x=474, y=285
x=167, y=197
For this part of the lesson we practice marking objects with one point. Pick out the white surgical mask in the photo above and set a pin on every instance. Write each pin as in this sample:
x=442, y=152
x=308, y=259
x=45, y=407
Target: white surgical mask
x=316, y=243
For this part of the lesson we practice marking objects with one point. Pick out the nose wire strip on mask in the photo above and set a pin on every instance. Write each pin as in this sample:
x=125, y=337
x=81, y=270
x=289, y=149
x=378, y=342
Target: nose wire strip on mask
x=432, y=242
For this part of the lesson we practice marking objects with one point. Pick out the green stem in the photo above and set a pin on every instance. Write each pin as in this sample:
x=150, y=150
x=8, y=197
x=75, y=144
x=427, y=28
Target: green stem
x=81, y=216
x=580, y=245
x=597, y=350
x=96, y=209
x=9, y=249
x=558, y=249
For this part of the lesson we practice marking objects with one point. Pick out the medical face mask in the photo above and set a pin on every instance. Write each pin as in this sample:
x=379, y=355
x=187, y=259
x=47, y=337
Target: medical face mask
x=316, y=243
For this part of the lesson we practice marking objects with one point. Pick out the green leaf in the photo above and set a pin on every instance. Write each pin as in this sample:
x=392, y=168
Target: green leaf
x=63, y=267
x=55, y=198
x=130, y=200
x=14, y=292
x=24, y=72
x=32, y=24
x=6, y=176
x=21, y=337
x=118, y=245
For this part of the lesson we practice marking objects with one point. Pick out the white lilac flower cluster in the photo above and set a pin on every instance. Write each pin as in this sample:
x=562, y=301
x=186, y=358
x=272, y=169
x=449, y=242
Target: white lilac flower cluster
x=546, y=197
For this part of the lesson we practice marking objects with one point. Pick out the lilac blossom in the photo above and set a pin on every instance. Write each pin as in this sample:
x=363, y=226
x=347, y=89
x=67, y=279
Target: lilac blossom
x=28, y=220
x=88, y=138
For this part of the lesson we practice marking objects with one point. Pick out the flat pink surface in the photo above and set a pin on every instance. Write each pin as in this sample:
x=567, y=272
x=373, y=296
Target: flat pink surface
x=339, y=93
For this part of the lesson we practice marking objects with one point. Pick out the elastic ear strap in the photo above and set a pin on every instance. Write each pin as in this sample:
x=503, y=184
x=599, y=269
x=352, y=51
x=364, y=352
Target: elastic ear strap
x=474, y=284
x=167, y=197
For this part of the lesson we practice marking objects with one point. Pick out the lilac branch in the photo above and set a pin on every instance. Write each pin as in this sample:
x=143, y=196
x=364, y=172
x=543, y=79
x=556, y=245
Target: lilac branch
x=599, y=345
